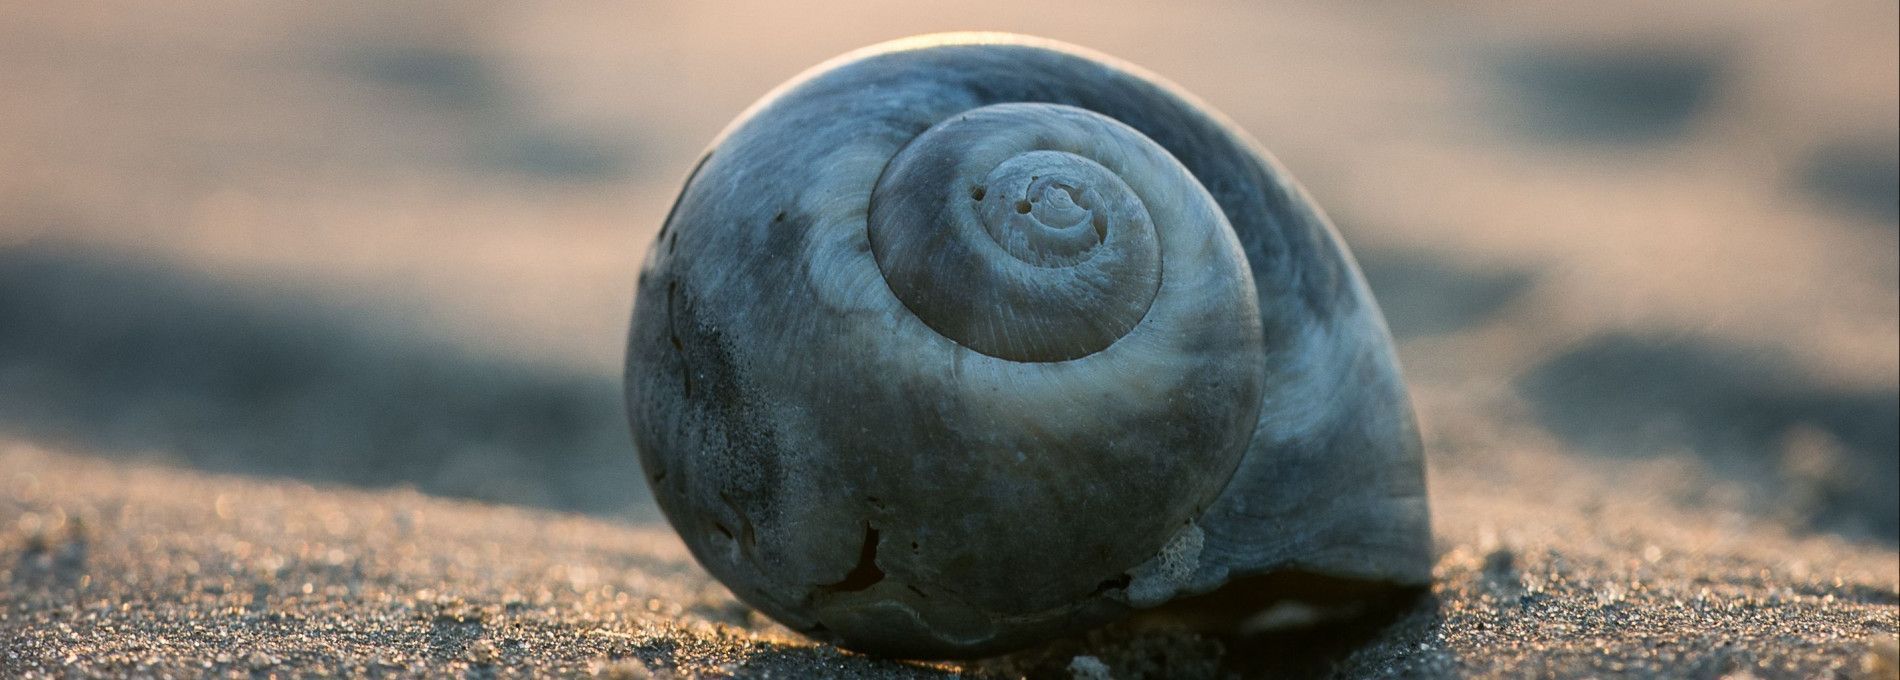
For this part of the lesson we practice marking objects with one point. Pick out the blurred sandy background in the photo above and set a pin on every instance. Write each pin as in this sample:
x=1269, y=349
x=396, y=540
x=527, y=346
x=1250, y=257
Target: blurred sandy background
x=380, y=245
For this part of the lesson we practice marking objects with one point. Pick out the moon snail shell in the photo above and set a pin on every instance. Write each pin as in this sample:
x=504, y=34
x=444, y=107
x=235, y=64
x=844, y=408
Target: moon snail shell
x=960, y=343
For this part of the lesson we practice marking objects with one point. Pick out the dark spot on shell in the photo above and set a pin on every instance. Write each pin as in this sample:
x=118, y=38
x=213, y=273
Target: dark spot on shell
x=748, y=532
x=666, y=226
x=727, y=409
x=866, y=573
x=672, y=334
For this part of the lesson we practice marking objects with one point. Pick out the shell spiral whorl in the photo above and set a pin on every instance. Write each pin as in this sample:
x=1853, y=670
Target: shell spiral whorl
x=1010, y=229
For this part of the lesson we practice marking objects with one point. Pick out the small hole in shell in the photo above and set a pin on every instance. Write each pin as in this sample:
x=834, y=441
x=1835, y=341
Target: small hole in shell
x=1022, y=207
x=976, y=192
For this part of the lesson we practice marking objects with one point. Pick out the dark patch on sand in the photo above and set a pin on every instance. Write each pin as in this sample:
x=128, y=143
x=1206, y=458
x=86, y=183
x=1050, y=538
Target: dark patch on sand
x=1858, y=176
x=559, y=154
x=1829, y=454
x=1425, y=295
x=507, y=137
x=128, y=359
x=1624, y=94
x=447, y=77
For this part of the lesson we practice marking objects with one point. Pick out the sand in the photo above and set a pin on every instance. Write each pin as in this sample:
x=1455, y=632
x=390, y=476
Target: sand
x=115, y=569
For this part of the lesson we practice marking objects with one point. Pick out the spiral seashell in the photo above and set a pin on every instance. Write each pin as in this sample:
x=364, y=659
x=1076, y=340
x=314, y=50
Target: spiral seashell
x=959, y=343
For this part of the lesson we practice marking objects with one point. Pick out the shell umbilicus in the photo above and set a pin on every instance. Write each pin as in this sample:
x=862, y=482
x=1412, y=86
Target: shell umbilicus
x=959, y=343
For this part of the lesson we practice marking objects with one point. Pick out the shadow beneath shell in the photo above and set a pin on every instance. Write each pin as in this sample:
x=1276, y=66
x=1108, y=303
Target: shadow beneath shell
x=1314, y=624
x=1281, y=625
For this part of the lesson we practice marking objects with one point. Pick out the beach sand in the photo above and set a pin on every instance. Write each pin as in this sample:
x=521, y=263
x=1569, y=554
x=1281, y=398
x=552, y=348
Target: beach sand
x=115, y=570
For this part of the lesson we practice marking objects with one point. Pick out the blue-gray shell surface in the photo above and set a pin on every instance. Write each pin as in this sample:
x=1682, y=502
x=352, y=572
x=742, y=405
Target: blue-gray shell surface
x=960, y=343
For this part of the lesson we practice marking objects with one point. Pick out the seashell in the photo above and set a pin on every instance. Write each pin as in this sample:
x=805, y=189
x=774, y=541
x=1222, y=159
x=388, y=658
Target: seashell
x=959, y=343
